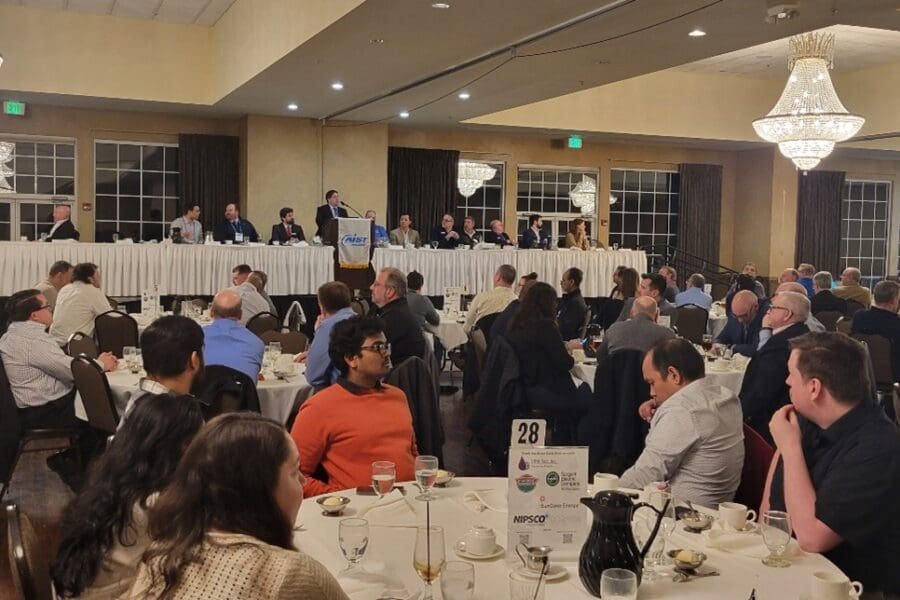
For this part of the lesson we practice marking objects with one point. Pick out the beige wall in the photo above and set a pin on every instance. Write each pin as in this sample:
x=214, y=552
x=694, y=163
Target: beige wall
x=753, y=207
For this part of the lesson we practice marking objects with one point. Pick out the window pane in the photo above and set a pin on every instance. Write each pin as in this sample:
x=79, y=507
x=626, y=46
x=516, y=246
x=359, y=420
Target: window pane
x=171, y=159
x=152, y=232
x=25, y=165
x=65, y=167
x=25, y=185
x=65, y=150
x=153, y=209
x=105, y=181
x=130, y=183
x=153, y=158
x=65, y=186
x=153, y=184
x=5, y=212
x=107, y=156
x=129, y=209
x=44, y=149
x=25, y=148
x=45, y=166
x=103, y=231
x=45, y=185
x=106, y=208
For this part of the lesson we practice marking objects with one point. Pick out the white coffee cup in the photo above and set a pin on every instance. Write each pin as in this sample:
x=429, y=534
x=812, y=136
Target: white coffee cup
x=736, y=515
x=826, y=585
x=605, y=481
x=479, y=540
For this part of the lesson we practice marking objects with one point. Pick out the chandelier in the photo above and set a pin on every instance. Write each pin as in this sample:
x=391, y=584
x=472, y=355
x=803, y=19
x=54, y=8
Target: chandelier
x=472, y=176
x=6, y=153
x=809, y=118
x=584, y=195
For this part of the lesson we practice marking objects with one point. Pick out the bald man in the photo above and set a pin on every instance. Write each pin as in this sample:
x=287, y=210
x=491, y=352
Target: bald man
x=850, y=289
x=227, y=342
x=639, y=332
x=744, y=323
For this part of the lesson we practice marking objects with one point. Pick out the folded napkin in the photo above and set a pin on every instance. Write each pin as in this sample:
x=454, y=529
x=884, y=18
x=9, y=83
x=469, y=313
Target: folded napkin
x=482, y=500
x=375, y=580
x=745, y=543
x=391, y=510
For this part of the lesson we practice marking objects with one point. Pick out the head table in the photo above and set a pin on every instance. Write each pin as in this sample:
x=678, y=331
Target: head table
x=392, y=522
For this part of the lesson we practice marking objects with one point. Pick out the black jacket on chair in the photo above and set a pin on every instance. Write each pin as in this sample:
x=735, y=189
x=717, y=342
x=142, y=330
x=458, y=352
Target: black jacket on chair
x=571, y=312
x=280, y=234
x=826, y=300
x=415, y=379
x=66, y=231
x=324, y=214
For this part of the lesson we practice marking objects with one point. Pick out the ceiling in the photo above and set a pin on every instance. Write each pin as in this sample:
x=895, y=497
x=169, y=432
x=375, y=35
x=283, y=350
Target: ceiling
x=855, y=48
x=185, y=12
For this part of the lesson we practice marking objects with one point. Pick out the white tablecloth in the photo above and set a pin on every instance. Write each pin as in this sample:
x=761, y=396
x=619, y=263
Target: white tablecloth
x=392, y=539
x=731, y=378
x=450, y=332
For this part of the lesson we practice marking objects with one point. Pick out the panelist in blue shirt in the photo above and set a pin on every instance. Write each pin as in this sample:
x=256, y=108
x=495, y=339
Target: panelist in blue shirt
x=694, y=294
x=227, y=342
x=381, y=233
x=334, y=304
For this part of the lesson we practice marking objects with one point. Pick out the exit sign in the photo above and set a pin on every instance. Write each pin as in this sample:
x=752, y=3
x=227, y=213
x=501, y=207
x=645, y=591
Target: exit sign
x=11, y=107
x=575, y=142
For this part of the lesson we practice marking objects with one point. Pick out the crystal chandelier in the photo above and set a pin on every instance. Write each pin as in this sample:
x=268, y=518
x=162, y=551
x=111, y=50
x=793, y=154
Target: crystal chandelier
x=7, y=149
x=809, y=118
x=584, y=195
x=472, y=176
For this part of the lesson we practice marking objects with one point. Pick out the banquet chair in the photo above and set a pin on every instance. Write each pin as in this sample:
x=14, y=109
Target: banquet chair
x=223, y=389
x=844, y=325
x=93, y=387
x=879, y=348
x=757, y=458
x=27, y=559
x=853, y=307
x=80, y=343
x=114, y=331
x=829, y=318
x=264, y=321
x=415, y=379
x=291, y=342
x=691, y=321
x=295, y=318
x=582, y=331
x=484, y=324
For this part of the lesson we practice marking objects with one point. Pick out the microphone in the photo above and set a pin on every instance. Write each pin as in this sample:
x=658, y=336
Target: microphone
x=353, y=209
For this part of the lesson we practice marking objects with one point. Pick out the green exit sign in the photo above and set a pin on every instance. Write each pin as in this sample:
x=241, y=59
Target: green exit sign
x=575, y=142
x=11, y=107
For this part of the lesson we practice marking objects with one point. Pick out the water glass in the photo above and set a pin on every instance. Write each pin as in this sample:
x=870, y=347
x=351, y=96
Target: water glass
x=128, y=355
x=776, y=533
x=618, y=584
x=458, y=580
x=383, y=475
x=642, y=526
x=428, y=557
x=426, y=472
x=353, y=538
x=522, y=587
x=138, y=363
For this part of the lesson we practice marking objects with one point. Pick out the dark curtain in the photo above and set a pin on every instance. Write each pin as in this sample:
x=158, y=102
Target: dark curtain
x=700, y=214
x=421, y=183
x=209, y=167
x=819, y=219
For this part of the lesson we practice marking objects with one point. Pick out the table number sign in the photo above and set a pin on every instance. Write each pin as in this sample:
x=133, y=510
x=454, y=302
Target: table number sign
x=545, y=490
x=528, y=432
x=453, y=298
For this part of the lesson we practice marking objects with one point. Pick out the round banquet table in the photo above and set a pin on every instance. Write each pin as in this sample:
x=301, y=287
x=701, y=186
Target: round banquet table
x=388, y=557
x=731, y=378
x=450, y=330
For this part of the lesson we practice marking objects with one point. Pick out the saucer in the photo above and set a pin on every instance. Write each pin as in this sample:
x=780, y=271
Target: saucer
x=749, y=527
x=553, y=573
x=498, y=551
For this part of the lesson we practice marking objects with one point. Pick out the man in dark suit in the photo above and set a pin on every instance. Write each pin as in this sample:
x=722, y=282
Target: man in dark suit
x=742, y=330
x=496, y=235
x=63, y=229
x=824, y=299
x=535, y=236
x=400, y=326
x=571, y=310
x=882, y=319
x=287, y=229
x=235, y=228
x=764, y=390
x=444, y=234
x=330, y=210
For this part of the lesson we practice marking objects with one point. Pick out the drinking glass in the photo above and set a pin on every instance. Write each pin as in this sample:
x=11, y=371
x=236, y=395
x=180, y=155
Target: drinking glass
x=707, y=342
x=434, y=244
x=642, y=526
x=665, y=503
x=618, y=584
x=353, y=537
x=128, y=355
x=426, y=472
x=522, y=587
x=383, y=475
x=458, y=580
x=138, y=362
x=615, y=245
x=776, y=533
x=428, y=557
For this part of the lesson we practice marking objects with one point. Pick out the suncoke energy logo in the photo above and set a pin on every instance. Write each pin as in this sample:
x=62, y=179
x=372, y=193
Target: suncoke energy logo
x=526, y=482
x=354, y=240
x=538, y=519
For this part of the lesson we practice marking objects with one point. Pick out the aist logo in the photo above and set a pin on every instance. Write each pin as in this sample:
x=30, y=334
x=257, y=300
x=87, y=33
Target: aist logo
x=351, y=239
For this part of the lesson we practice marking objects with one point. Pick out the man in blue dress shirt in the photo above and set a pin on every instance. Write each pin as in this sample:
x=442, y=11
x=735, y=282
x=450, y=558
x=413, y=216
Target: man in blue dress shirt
x=334, y=304
x=227, y=342
x=381, y=233
x=694, y=294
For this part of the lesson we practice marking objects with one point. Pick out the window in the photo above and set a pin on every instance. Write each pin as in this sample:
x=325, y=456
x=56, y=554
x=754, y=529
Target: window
x=486, y=204
x=136, y=190
x=545, y=191
x=645, y=212
x=6, y=223
x=865, y=214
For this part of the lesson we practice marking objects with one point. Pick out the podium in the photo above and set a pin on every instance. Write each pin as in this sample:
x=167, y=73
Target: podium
x=356, y=279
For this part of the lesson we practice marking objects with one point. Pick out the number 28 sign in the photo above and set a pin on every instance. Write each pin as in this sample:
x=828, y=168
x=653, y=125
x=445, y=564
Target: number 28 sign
x=528, y=432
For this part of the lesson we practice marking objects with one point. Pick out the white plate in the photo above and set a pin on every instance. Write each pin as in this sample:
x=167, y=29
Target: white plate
x=553, y=573
x=498, y=551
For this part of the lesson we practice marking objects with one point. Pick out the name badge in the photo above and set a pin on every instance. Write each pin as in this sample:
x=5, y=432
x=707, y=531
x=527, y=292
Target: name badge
x=528, y=432
x=238, y=238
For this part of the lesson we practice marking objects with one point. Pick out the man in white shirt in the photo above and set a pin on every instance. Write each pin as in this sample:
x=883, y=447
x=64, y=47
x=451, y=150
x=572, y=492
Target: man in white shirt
x=494, y=300
x=696, y=439
x=252, y=303
x=189, y=224
x=78, y=304
x=59, y=277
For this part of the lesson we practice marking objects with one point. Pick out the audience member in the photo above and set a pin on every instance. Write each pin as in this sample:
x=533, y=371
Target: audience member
x=764, y=389
x=881, y=319
x=286, y=232
x=78, y=304
x=812, y=323
x=789, y=275
x=405, y=235
x=823, y=298
x=696, y=439
x=240, y=273
x=59, y=277
x=420, y=305
x=188, y=225
x=496, y=235
x=469, y=235
x=492, y=301
x=444, y=235
x=245, y=286
x=837, y=466
x=741, y=332
x=227, y=341
x=807, y=271
x=748, y=269
x=259, y=279
x=63, y=228
x=627, y=284
x=234, y=228
x=380, y=232
x=534, y=236
x=223, y=527
x=400, y=326
x=577, y=237
x=520, y=284
x=741, y=282
x=850, y=289
x=572, y=309
x=334, y=307
x=639, y=332
x=654, y=286
x=694, y=294
x=344, y=428
x=671, y=283
x=332, y=209
x=501, y=324
x=104, y=530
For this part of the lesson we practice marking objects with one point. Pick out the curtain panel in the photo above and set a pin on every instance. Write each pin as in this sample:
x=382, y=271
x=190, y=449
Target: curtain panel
x=819, y=219
x=209, y=168
x=422, y=184
x=700, y=214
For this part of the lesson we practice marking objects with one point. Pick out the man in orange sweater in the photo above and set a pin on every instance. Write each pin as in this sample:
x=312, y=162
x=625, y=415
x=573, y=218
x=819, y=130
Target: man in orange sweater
x=349, y=425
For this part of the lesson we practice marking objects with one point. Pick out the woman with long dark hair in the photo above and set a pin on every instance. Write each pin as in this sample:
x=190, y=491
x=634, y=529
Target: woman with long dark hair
x=626, y=284
x=544, y=363
x=104, y=530
x=223, y=528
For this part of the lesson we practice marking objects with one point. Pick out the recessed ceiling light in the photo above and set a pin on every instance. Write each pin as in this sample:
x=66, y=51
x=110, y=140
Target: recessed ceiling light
x=464, y=95
x=404, y=114
x=1, y=56
x=293, y=106
x=337, y=85
x=440, y=5
x=697, y=33
x=376, y=41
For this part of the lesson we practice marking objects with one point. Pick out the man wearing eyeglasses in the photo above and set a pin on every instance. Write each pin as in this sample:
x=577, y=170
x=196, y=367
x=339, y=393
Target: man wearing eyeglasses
x=400, y=325
x=764, y=389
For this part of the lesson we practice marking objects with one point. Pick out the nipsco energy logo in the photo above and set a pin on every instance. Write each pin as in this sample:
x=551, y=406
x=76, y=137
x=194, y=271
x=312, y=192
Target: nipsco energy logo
x=526, y=482
x=533, y=519
x=351, y=239
x=552, y=478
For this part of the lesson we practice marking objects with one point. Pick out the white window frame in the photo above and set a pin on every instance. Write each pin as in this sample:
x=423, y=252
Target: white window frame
x=890, y=239
x=481, y=224
x=621, y=199
x=552, y=219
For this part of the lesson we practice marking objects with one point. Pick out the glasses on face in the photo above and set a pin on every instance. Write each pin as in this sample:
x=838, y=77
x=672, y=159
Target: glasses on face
x=382, y=347
x=45, y=306
x=773, y=307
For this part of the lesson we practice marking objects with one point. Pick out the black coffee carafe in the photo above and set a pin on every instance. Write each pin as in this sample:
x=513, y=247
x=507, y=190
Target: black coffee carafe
x=610, y=544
